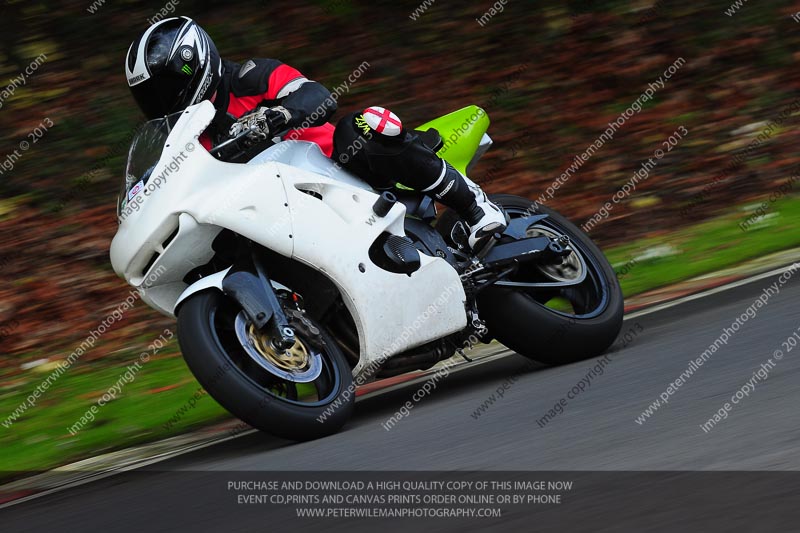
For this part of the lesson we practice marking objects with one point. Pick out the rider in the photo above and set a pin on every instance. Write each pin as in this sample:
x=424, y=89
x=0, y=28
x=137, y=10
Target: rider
x=174, y=64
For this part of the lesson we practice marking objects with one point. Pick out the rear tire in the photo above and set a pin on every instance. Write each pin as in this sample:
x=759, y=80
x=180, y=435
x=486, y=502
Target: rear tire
x=530, y=328
x=236, y=384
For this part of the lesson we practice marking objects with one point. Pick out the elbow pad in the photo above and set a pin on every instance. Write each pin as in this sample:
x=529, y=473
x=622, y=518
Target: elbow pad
x=310, y=100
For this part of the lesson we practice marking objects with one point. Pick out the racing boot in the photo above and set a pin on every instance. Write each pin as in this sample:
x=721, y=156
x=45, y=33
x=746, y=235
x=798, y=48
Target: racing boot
x=460, y=193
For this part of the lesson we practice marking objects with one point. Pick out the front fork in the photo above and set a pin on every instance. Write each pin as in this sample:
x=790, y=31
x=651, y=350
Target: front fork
x=249, y=284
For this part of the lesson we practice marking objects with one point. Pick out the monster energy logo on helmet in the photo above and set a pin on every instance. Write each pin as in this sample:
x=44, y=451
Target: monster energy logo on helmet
x=172, y=47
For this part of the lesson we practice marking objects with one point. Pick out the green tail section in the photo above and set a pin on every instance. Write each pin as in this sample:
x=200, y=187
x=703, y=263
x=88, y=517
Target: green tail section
x=461, y=132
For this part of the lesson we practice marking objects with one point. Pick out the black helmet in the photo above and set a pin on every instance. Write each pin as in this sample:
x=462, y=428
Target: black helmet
x=172, y=65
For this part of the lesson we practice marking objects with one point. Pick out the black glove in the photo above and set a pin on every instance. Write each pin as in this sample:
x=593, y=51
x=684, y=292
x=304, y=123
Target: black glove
x=262, y=123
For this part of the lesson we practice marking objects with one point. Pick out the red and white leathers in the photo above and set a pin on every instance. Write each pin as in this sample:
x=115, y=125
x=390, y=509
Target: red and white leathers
x=270, y=83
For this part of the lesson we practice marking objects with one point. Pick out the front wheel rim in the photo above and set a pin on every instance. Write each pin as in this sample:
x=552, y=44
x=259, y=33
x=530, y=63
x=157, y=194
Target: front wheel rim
x=297, y=364
x=326, y=387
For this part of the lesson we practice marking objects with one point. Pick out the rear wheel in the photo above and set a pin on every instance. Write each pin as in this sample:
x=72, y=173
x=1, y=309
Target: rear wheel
x=303, y=393
x=575, y=310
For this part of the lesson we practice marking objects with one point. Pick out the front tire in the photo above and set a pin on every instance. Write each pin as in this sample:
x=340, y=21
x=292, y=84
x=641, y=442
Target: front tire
x=295, y=411
x=522, y=319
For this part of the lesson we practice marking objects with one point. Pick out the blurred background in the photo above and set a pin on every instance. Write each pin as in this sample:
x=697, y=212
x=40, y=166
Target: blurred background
x=551, y=78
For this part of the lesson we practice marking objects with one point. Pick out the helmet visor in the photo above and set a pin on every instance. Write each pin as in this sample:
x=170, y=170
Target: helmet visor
x=167, y=93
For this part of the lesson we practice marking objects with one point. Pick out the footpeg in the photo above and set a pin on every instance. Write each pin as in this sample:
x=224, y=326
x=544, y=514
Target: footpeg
x=487, y=245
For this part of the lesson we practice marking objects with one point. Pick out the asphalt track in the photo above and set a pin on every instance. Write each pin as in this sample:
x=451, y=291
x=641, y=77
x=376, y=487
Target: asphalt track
x=596, y=432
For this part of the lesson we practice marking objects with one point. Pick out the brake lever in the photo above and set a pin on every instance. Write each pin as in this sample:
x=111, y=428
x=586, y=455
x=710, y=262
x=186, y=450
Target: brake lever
x=218, y=149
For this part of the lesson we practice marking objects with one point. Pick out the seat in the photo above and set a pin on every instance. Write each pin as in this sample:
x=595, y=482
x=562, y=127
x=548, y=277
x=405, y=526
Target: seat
x=432, y=139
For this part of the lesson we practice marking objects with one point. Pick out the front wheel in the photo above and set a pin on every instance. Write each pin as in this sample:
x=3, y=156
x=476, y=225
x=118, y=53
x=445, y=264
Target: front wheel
x=574, y=312
x=303, y=393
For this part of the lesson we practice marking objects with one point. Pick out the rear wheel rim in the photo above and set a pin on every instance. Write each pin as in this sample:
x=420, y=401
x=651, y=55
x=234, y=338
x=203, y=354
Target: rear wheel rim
x=570, y=268
x=590, y=298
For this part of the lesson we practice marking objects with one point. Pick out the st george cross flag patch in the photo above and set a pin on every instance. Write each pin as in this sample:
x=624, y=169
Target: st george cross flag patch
x=383, y=121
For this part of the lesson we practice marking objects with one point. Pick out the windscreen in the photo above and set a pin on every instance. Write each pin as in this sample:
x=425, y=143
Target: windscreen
x=143, y=155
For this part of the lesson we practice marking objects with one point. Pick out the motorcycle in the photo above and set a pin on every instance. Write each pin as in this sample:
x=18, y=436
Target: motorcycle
x=293, y=281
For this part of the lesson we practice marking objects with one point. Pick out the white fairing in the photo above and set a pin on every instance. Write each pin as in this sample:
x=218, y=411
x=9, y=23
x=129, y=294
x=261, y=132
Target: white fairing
x=264, y=202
